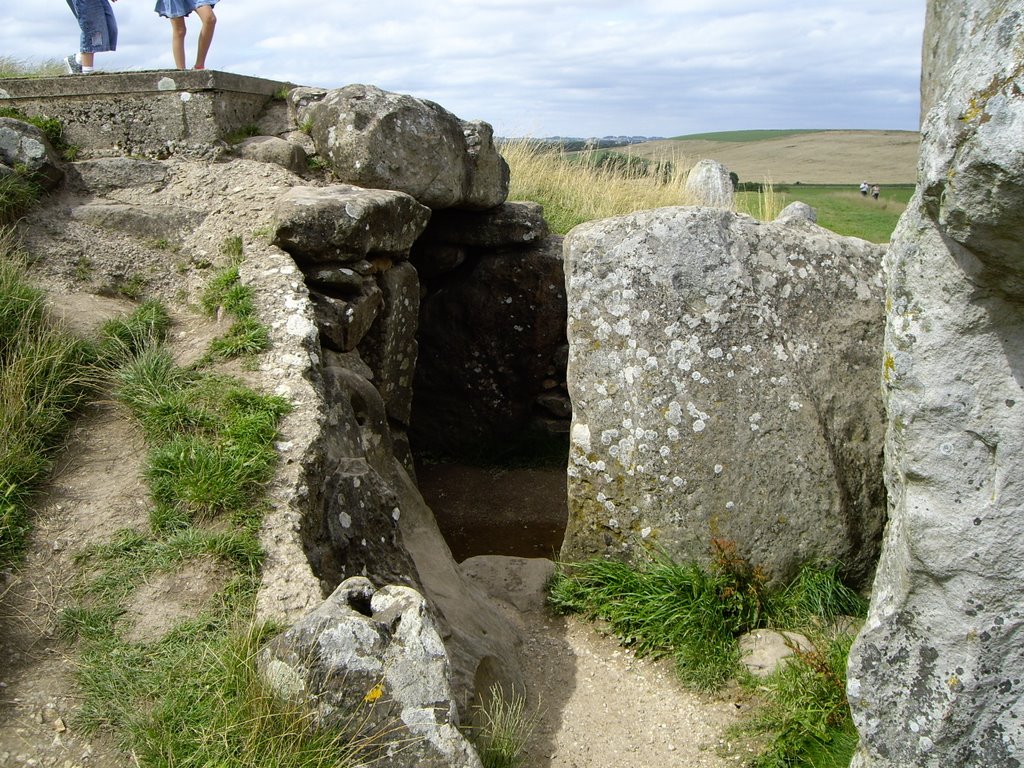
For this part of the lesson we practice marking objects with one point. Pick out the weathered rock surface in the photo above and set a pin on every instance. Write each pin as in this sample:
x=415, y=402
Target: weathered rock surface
x=373, y=138
x=106, y=174
x=361, y=514
x=797, y=211
x=764, y=651
x=22, y=144
x=342, y=223
x=271, y=149
x=152, y=221
x=390, y=347
x=723, y=375
x=483, y=643
x=374, y=660
x=936, y=676
x=709, y=182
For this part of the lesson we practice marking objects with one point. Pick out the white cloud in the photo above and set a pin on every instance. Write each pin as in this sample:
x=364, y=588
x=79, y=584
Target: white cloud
x=577, y=68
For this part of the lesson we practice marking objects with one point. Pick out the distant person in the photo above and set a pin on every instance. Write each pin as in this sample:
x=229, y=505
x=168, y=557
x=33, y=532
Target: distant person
x=864, y=189
x=176, y=11
x=99, y=34
x=874, y=191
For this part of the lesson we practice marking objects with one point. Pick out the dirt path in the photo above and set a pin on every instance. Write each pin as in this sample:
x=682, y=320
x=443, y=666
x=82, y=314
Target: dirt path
x=95, y=491
x=601, y=707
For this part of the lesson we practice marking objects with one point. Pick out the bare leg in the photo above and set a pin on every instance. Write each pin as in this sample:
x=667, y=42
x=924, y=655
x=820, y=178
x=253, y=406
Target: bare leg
x=205, y=13
x=178, y=42
x=87, y=59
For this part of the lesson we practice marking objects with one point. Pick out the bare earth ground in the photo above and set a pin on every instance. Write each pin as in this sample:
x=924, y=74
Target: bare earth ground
x=827, y=157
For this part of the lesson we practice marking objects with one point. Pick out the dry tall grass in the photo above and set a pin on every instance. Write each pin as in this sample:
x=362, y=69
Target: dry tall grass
x=12, y=67
x=573, y=190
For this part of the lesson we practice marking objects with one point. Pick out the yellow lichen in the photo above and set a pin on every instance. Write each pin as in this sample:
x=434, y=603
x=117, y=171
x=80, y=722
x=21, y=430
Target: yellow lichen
x=889, y=367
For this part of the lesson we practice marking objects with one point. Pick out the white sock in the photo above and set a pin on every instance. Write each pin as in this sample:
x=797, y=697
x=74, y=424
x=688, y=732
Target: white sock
x=87, y=69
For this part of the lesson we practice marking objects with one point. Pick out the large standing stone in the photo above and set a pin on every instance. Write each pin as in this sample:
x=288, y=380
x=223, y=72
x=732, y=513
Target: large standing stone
x=723, y=375
x=936, y=676
x=709, y=182
x=384, y=140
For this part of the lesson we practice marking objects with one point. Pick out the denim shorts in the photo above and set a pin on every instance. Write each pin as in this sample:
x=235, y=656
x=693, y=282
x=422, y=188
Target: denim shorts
x=175, y=9
x=98, y=25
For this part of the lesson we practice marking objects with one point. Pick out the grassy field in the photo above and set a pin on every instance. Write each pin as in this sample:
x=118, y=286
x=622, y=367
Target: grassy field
x=743, y=136
x=788, y=157
x=842, y=209
x=583, y=186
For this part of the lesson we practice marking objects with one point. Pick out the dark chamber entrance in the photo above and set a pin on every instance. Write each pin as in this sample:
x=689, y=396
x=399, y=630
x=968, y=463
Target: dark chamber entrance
x=496, y=511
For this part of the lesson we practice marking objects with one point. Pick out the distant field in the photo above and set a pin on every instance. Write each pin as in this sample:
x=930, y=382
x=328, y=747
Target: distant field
x=787, y=157
x=842, y=209
x=760, y=135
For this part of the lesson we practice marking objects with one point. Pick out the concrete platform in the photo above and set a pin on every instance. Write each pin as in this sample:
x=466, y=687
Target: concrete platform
x=152, y=113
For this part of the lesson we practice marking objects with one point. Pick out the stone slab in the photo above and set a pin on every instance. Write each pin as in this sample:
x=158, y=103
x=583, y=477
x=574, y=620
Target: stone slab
x=153, y=113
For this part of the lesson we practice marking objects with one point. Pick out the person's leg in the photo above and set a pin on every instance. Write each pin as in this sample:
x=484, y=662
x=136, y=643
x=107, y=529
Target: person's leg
x=178, y=42
x=72, y=62
x=209, y=19
x=111, y=24
x=99, y=30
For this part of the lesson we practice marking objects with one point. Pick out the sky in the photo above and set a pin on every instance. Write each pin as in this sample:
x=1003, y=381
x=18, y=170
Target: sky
x=532, y=68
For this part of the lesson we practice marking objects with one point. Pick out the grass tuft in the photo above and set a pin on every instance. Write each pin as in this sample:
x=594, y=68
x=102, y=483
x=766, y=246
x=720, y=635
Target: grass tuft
x=807, y=716
x=18, y=192
x=46, y=374
x=697, y=614
x=14, y=67
x=502, y=730
x=662, y=609
x=574, y=189
x=225, y=294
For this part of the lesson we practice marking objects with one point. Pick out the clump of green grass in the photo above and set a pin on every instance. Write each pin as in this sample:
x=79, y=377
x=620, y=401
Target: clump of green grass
x=46, y=373
x=18, y=192
x=806, y=715
x=226, y=294
x=123, y=338
x=502, y=730
x=193, y=697
x=696, y=615
x=212, y=438
x=667, y=609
